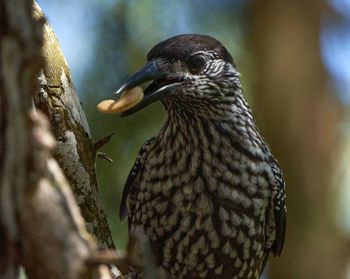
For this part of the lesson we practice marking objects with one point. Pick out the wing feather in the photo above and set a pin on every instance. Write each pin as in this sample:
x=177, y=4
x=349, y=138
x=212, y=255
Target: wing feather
x=279, y=210
x=133, y=181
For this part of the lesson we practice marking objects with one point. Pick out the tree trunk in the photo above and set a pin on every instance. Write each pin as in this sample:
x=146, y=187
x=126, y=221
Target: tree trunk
x=41, y=227
x=299, y=117
x=74, y=151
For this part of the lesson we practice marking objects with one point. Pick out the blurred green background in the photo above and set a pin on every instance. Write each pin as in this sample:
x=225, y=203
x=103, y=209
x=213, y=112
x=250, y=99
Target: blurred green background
x=294, y=58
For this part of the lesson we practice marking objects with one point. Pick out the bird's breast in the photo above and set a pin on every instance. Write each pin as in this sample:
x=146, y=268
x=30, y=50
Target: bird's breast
x=201, y=210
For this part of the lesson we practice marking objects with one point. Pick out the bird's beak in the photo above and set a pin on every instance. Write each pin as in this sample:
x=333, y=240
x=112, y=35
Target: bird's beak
x=163, y=84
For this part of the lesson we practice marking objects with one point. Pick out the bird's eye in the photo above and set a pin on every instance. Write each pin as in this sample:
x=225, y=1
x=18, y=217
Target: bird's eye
x=196, y=63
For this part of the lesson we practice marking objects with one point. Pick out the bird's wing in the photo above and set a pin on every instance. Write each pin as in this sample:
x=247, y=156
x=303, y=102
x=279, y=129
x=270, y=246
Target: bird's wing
x=133, y=180
x=278, y=209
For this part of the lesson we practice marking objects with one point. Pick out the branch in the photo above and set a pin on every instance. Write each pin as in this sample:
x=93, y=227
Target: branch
x=75, y=151
x=101, y=142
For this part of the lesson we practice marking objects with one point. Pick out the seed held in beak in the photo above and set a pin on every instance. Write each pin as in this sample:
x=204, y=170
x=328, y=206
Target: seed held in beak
x=129, y=99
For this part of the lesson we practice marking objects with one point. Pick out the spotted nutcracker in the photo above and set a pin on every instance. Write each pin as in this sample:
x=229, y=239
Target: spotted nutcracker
x=206, y=189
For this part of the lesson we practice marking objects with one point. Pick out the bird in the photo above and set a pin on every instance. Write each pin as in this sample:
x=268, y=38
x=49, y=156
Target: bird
x=206, y=190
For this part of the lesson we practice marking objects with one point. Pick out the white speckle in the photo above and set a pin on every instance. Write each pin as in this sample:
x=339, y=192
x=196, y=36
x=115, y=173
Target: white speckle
x=215, y=242
x=187, y=190
x=163, y=220
x=246, y=252
x=228, y=175
x=179, y=256
x=258, y=205
x=205, y=250
x=203, y=273
x=143, y=218
x=241, y=237
x=178, y=197
x=192, y=259
x=200, y=266
x=214, y=239
x=207, y=169
x=147, y=195
x=225, y=229
x=246, y=220
x=160, y=172
x=207, y=155
x=156, y=187
x=245, y=201
x=235, y=219
x=185, y=223
x=224, y=216
x=160, y=207
x=203, y=205
x=255, y=245
x=226, y=248
x=177, y=235
x=199, y=185
x=212, y=183
x=237, y=263
x=172, y=220
x=233, y=253
x=166, y=188
x=185, y=241
x=234, y=194
x=252, y=230
x=252, y=189
x=207, y=224
x=210, y=261
x=201, y=242
x=218, y=270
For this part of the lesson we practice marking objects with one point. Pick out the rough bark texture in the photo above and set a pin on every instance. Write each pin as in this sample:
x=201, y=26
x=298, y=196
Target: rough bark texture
x=299, y=118
x=50, y=215
x=41, y=227
x=75, y=151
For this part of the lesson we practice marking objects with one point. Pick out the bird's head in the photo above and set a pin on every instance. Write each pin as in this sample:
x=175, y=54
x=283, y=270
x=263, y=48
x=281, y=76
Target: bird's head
x=193, y=73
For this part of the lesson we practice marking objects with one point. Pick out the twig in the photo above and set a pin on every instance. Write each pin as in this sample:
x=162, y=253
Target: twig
x=101, y=142
x=103, y=155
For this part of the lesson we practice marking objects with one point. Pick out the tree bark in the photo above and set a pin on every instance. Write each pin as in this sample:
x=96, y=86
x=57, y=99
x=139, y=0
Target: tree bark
x=299, y=117
x=41, y=227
